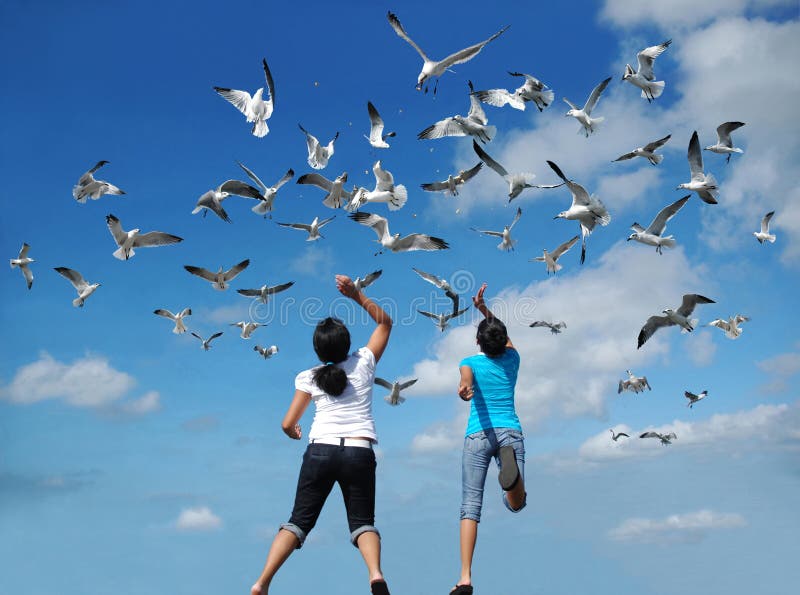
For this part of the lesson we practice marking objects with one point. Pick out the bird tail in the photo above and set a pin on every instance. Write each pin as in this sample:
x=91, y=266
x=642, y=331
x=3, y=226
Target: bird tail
x=260, y=128
x=261, y=208
x=692, y=323
x=78, y=194
x=547, y=97
x=656, y=88
x=668, y=242
x=656, y=159
x=400, y=195
x=120, y=254
x=711, y=181
x=219, y=287
x=331, y=203
x=77, y=302
x=557, y=267
x=489, y=132
x=771, y=238
x=179, y=327
x=15, y=265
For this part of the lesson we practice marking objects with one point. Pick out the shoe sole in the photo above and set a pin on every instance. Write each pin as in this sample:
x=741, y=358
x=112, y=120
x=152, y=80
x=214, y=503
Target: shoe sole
x=509, y=471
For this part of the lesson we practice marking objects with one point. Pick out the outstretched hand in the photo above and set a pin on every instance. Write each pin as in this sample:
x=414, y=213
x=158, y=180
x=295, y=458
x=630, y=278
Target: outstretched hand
x=345, y=286
x=477, y=300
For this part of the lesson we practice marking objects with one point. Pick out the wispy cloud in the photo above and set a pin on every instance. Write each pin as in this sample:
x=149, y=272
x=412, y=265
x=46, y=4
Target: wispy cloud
x=781, y=369
x=197, y=519
x=690, y=527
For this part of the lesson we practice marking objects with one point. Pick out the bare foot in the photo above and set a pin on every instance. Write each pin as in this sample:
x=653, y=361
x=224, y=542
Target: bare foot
x=257, y=589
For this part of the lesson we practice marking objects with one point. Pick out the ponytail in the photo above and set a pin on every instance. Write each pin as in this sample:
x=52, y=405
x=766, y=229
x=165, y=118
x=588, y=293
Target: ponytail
x=332, y=345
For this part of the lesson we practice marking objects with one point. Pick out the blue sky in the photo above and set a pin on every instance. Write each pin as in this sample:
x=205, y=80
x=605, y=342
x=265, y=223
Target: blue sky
x=132, y=461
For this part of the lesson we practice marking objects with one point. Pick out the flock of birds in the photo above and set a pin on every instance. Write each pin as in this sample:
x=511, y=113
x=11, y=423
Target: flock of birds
x=585, y=209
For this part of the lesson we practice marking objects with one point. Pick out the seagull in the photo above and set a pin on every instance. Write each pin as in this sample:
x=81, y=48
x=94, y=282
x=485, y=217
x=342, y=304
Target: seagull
x=704, y=184
x=451, y=184
x=665, y=438
x=128, y=240
x=652, y=235
x=22, y=261
x=516, y=182
x=764, y=235
x=693, y=398
x=411, y=242
x=385, y=191
x=337, y=196
x=394, y=398
x=550, y=258
x=87, y=187
x=644, y=78
x=263, y=292
x=254, y=108
x=588, y=124
x=312, y=229
x=219, y=280
x=441, y=320
x=587, y=210
x=555, y=327
x=532, y=90
x=679, y=317
x=441, y=284
x=212, y=200
x=648, y=151
x=177, y=318
x=267, y=195
x=431, y=68
x=376, y=136
x=730, y=326
x=635, y=384
x=83, y=288
x=617, y=436
x=247, y=327
x=474, y=124
x=724, y=144
x=362, y=283
x=317, y=154
x=266, y=352
x=507, y=243
x=207, y=342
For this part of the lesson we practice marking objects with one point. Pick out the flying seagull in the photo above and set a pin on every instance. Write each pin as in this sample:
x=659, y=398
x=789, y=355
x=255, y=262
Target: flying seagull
x=583, y=115
x=337, y=196
x=441, y=320
x=207, y=342
x=266, y=352
x=263, y=292
x=255, y=108
x=128, y=240
x=724, y=145
x=507, y=243
x=585, y=209
x=376, y=136
x=219, y=280
x=618, y=435
x=474, y=124
x=441, y=284
x=679, y=317
x=362, y=283
x=395, y=196
x=665, y=438
x=704, y=184
x=176, y=318
x=693, y=398
x=555, y=327
x=730, y=326
x=393, y=242
x=83, y=288
x=312, y=228
x=451, y=184
x=516, y=182
x=635, y=384
x=22, y=261
x=247, y=327
x=394, y=398
x=550, y=258
x=652, y=235
x=764, y=235
x=266, y=197
x=648, y=151
x=87, y=187
x=644, y=78
x=531, y=90
x=317, y=154
x=212, y=200
x=432, y=68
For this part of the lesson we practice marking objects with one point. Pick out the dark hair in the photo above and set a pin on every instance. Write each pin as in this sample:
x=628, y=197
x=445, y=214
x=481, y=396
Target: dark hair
x=492, y=337
x=332, y=345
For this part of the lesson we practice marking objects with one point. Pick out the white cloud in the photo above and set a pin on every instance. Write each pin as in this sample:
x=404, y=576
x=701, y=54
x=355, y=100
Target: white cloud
x=197, y=519
x=780, y=368
x=442, y=437
x=315, y=261
x=228, y=314
x=691, y=527
x=700, y=348
x=147, y=403
x=678, y=13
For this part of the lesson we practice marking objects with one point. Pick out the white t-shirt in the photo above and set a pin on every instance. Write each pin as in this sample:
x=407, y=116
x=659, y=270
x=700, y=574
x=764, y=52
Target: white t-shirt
x=350, y=414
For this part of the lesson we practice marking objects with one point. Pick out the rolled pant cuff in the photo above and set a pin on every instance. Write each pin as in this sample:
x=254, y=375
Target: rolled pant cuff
x=298, y=532
x=363, y=529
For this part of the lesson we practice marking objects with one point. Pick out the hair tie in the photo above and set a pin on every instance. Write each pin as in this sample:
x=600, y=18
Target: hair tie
x=330, y=364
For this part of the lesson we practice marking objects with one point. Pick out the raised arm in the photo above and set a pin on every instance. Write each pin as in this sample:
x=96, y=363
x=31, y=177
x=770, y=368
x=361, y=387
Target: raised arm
x=480, y=305
x=380, y=336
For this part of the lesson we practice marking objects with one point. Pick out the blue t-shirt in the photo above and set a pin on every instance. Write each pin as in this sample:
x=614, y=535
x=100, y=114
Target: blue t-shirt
x=492, y=404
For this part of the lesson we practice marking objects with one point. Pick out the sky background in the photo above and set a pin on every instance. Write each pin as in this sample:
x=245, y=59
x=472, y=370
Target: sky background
x=133, y=462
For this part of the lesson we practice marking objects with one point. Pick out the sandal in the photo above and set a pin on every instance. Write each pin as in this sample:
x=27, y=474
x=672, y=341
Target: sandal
x=379, y=588
x=509, y=471
x=462, y=590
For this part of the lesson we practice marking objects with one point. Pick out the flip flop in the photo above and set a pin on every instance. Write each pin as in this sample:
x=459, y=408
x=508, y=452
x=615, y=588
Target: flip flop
x=509, y=472
x=462, y=590
x=379, y=588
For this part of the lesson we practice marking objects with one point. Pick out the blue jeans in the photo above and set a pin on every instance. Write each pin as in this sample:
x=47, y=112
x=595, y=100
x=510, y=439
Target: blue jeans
x=479, y=448
x=353, y=468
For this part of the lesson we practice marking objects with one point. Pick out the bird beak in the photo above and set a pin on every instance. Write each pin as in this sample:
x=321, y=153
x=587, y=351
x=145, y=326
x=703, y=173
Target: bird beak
x=628, y=240
x=556, y=217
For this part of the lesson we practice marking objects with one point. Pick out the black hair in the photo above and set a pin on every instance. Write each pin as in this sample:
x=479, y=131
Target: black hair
x=492, y=337
x=332, y=345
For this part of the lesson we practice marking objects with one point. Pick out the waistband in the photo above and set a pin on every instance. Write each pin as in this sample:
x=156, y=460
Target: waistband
x=360, y=442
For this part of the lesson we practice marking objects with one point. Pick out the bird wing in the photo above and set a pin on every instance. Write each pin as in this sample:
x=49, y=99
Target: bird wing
x=740, y=319
x=429, y=277
x=595, y=96
x=303, y=226
x=155, y=238
x=650, y=147
x=384, y=181
x=647, y=58
x=398, y=28
x=201, y=272
x=270, y=86
x=651, y=326
x=375, y=121
x=23, y=253
x=719, y=323
x=236, y=269
x=240, y=189
x=650, y=435
x=569, y=103
x=74, y=277
x=428, y=314
x=325, y=221
x=194, y=334
x=622, y=434
x=637, y=227
x=316, y=180
x=419, y=241
x=724, y=132
x=185, y=312
x=446, y=127
x=485, y=158
x=408, y=383
x=278, y=288
x=380, y=225
x=659, y=224
x=540, y=323
x=456, y=314
x=241, y=100
x=486, y=232
x=254, y=178
x=435, y=186
x=516, y=218
x=476, y=112
x=468, y=53
x=465, y=175
x=690, y=396
x=563, y=248
x=286, y=177
x=115, y=227
x=690, y=300
x=764, y=223
x=579, y=194
x=499, y=98
x=383, y=383
x=165, y=313
x=368, y=279
x=214, y=336
x=249, y=292
x=625, y=156
x=695, y=158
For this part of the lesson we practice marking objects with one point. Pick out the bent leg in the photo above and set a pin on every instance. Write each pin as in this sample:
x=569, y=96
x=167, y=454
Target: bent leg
x=283, y=545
